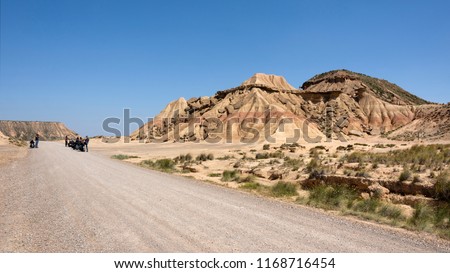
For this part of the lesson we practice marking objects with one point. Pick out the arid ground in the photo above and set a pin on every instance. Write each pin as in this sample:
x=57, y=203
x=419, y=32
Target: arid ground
x=55, y=199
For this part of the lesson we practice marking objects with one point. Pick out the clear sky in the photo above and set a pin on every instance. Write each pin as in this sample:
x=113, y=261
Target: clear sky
x=80, y=62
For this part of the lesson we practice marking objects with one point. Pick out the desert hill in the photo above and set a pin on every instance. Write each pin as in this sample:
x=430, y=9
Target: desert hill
x=26, y=130
x=345, y=80
x=335, y=104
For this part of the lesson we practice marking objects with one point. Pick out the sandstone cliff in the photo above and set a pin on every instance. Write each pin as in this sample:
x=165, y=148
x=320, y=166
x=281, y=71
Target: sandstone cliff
x=26, y=130
x=335, y=104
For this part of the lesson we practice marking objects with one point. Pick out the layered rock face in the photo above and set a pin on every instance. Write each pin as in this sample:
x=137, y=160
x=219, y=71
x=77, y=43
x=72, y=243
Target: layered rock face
x=26, y=130
x=361, y=103
x=264, y=106
x=335, y=104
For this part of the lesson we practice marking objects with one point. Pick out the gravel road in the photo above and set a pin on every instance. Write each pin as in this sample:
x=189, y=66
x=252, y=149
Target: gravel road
x=60, y=200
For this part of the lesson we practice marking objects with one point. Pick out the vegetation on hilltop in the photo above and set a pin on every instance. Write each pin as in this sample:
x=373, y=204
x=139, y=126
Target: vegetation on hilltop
x=382, y=88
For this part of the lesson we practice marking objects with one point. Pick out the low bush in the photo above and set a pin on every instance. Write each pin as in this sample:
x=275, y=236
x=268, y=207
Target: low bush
x=247, y=179
x=204, y=157
x=230, y=175
x=422, y=216
x=183, y=158
x=442, y=186
x=391, y=212
x=250, y=186
x=430, y=156
x=367, y=205
x=314, y=165
x=284, y=189
x=293, y=164
x=262, y=155
x=226, y=157
x=405, y=175
x=123, y=157
x=362, y=144
x=165, y=165
x=331, y=197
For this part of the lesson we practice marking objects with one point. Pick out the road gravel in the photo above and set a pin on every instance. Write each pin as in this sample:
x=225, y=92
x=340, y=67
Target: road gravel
x=59, y=200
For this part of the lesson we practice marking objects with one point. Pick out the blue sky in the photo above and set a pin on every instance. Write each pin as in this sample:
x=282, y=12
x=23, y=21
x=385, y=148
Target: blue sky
x=80, y=62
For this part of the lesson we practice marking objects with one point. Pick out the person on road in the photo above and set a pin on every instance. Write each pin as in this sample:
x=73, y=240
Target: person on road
x=67, y=140
x=86, y=142
x=32, y=144
x=36, y=141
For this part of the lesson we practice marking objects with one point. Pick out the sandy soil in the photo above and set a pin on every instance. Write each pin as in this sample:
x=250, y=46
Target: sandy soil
x=9, y=152
x=155, y=151
x=60, y=200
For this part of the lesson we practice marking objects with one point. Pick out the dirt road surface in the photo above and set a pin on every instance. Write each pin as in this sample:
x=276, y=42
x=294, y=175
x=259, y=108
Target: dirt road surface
x=60, y=200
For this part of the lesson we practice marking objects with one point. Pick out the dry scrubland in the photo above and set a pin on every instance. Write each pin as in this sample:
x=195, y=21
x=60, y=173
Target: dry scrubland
x=11, y=149
x=397, y=183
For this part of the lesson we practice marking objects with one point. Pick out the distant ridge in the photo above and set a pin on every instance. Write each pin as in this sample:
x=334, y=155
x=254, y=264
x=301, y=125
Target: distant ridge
x=26, y=130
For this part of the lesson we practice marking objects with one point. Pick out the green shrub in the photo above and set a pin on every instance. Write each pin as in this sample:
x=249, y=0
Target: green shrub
x=204, y=157
x=348, y=172
x=277, y=154
x=316, y=174
x=442, y=217
x=266, y=147
x=284, y=189
x=250, y=186
x=226, y=157
x=262, y=155
x=430, y=156
x=391, y=212
x=422, y=216
x=293, y=164
x=274, y=161
x=355, y=157
x=183, y=158
x=314, y=165
x=165, y=165
x=330, y=197
x=362, y=144
x=230, y=175
x=341, y=148
x=123, y=157
x=247, y=179
x=379, y=146
x=442, y=186
x=369, y=205
x=215, y=175
x=416, y=179
x=405, y=175
x=363, y=174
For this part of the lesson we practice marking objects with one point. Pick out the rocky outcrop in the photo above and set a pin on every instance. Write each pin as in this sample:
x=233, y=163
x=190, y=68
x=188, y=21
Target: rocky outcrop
x=271, y=81
x=374, y=186
x=263, y=106
x=336, y=104
x=431, y=122
x=351, y=83
x=26, y=130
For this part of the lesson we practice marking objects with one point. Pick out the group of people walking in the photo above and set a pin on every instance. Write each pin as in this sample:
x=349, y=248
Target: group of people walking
x=80, y=144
